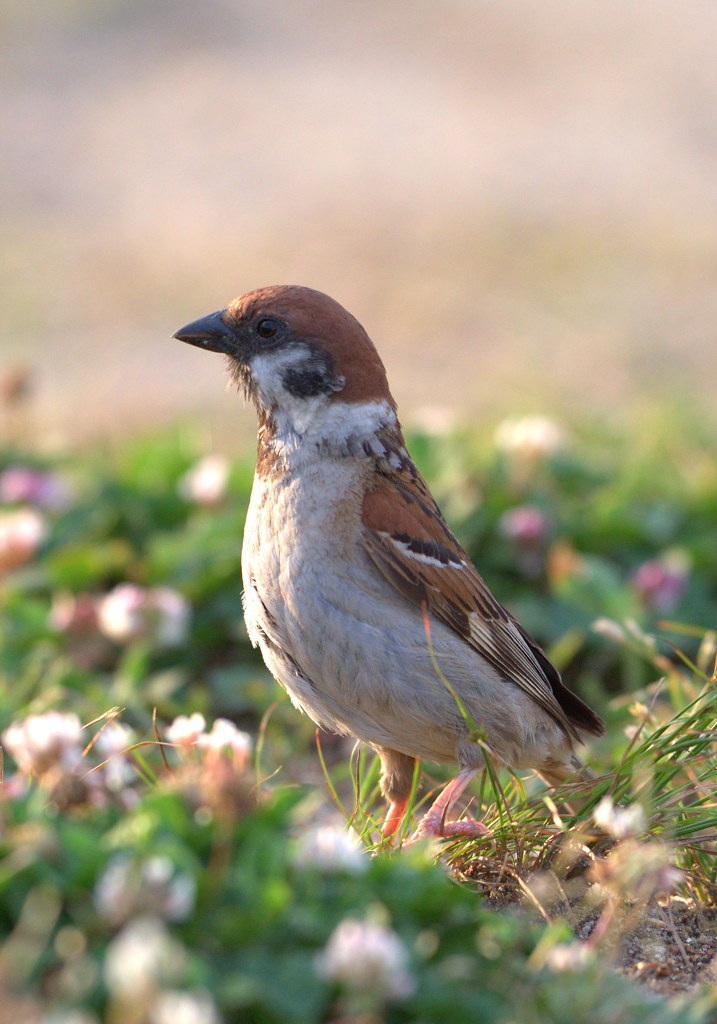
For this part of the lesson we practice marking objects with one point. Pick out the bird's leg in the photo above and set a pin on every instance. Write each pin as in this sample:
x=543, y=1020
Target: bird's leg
x=433, y=822
x=396, y=783
x=394, y=816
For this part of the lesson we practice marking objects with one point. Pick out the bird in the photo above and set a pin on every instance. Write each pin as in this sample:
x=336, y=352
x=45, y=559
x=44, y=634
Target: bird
x=364, y=605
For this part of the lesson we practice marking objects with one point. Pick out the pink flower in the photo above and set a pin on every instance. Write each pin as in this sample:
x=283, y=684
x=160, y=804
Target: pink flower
x=24, y=485
x=661, y=582
x=525, y=524
x=130, y=613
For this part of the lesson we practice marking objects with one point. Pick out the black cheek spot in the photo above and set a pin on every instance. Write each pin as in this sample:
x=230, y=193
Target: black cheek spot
x=307, y=382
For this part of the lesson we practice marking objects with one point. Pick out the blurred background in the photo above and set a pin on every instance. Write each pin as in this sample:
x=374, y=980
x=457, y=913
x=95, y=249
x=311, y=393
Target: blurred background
x=518, y=200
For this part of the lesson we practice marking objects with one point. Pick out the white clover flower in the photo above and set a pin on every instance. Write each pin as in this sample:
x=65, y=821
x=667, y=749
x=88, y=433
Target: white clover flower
x=179, y=897
x=185, y=730
x=568, y=956
x=126, y=887
x=41, y=742
x=174, y=892
x=177, y=1007
x=529, y=438
x=206, y=482
x=619, y=822
x=21, y=533
x=225, y=737
x=111, y=747
x=114, y=739
x=173, y=616
x=141, y=959
x=367, y=958
x=114, y=892
x=130, y=612
x=331, y=848
x=610, y=629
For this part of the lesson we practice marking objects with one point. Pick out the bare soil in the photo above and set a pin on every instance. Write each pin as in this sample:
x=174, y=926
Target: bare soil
x=668, y=944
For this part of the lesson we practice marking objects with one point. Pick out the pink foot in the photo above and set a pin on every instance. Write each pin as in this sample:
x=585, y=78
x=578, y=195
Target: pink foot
x=432, y=827
x=434, y=821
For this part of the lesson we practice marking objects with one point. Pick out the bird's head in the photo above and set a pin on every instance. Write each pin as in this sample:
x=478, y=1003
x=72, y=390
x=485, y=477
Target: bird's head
x=296, y=353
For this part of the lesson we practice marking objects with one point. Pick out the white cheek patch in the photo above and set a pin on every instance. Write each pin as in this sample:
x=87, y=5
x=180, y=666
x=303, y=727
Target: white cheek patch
x=313, y=416
x=293, y=413
x=269, y=369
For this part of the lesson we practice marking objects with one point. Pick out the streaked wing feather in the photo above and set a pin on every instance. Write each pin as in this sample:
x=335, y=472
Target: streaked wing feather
x=400, y=507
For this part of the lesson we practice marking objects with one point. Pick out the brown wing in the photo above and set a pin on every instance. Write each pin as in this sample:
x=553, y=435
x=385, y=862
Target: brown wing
x=408, y=540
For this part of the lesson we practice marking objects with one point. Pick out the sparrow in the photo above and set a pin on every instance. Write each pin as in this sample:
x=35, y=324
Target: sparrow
x=364, y=605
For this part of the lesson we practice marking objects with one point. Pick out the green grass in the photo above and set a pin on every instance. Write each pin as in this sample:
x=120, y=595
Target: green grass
x=152, y=874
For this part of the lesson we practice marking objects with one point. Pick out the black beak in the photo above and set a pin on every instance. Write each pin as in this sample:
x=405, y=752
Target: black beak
x=209, y=332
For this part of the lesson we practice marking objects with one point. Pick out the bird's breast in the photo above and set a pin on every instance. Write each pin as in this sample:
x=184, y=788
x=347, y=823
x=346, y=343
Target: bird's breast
x=350, y=650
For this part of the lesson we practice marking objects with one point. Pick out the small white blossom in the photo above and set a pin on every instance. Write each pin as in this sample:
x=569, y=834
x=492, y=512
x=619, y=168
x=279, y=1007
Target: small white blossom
x=111, y=746
x=114, y=738
x=113, y=894
x=21, y=533
x=41, y=742
x=619, y=822
x=127, y=887
x=367, y=958
x=636, y=631
x=331, y=848
x=529, y=437
x=225, y=737
x=130, y=613
x=173, y=891
x=185, y=730
x=610, y=629
x=176, y=1007
x=141, y=958
x=206, y=482
x=568, y=956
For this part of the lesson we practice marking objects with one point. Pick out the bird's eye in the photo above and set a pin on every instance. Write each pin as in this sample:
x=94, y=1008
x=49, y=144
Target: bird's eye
x=267, y=328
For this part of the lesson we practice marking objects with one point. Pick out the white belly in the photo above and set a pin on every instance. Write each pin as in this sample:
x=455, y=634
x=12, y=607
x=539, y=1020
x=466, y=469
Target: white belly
x=352, y=653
